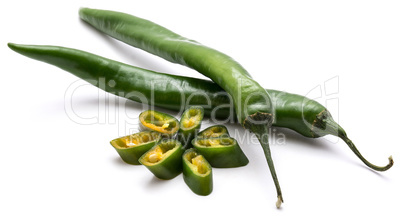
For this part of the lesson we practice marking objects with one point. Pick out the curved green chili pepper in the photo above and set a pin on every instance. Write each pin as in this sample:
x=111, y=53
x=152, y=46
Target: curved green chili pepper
x=197, y=172
x=301, y=114
x=298, y=113
x=164, y=160
x=221, y=152
x=213, y=132
x=190, y=124
x=252, y=102
x=132, y=147
x=163, y=123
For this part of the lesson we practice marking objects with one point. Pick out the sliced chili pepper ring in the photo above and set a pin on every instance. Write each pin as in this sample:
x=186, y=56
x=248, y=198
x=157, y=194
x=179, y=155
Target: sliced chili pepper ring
x=132, y=147
x=197, y=172
x=165, y=159
x=160, y=122
x=221, y=152
x=213, y=132
x=190, y=124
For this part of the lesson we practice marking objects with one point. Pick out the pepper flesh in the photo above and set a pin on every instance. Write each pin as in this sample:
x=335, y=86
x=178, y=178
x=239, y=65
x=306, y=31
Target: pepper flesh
x=190, y=124
x=132, y=147
x=298, y=113
x=221, y=152
x=197, y=172
x=165, y=159
x=160, y=122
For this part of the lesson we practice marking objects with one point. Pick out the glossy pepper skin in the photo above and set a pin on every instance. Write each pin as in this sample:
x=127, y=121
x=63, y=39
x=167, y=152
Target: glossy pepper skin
x=298, y=113
x=132, y=147
x=252, y=102
x=163, y=123
x=190, y=124
x=197, y=172
x=221, y=152
x=164, y=43
x=165, y=159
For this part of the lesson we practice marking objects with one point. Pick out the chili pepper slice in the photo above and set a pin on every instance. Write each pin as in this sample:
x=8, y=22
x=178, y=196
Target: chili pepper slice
x=197, y=172
x=160, y=122
x=221, y=152
x=132, y=147
x=213, y=132
x=190, y=124
x=164, y=160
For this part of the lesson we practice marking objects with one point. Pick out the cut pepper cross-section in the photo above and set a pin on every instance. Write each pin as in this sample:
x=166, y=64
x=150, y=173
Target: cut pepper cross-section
x=197, y=172
x=160, y=122
x=221, y=152
x=190, y=124
x=164, y=159
x=213, y=132
x=132, y=147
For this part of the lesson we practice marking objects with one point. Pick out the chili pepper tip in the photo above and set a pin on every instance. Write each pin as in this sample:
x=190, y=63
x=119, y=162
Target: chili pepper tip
x=279, y=202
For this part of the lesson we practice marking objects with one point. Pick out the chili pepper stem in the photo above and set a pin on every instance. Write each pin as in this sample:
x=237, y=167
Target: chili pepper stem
x=342, y=134
x=372, y=166
x=262, y=135
x=325, y=124
x=256, y=124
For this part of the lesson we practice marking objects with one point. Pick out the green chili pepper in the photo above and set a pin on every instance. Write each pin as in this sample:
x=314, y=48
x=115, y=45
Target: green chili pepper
x=213, y=132
x=132, y=147
x=197, y=172
x=161, y=122
x=164, y=160
x=301, y=114
x=190, y=124
x=298, y=113
x=252, y=102
x=221, y=152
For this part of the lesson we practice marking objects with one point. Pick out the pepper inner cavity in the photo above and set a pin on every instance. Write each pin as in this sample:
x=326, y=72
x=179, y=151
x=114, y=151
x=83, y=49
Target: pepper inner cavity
x=193, y=116
x=215, y=142
x=159, y=122
x=140, y=138
x=160, y=152
x=213, y=132
x=198, y=163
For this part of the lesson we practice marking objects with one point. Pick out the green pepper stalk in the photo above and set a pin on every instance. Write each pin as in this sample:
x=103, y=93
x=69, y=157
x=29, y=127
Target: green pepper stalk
x=253, y=104
x=165, y=159
x=163, y=123
x=132, y=147
x=190, y=124
x=221, y=152
x=197, y=172
x=213, y=132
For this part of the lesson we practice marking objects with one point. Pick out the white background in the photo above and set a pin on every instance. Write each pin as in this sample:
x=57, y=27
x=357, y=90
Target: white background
x=52, y=167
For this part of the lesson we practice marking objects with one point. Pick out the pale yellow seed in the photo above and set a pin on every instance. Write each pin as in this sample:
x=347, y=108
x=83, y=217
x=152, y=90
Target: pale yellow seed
x=153, y=158
x=166, y=125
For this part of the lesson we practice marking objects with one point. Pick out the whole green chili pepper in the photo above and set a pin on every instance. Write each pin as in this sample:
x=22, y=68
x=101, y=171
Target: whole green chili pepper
x=132, y=147
x=160, y=122
x=252, y=102
x=298, y=113
x=164, y=160
x=190, y=124
x=197, y=172
x=213, y=132
x=221, y=152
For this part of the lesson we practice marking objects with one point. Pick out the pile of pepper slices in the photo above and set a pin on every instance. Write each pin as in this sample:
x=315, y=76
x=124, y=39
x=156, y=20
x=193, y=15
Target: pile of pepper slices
x=232, y=86
x=167, y=147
